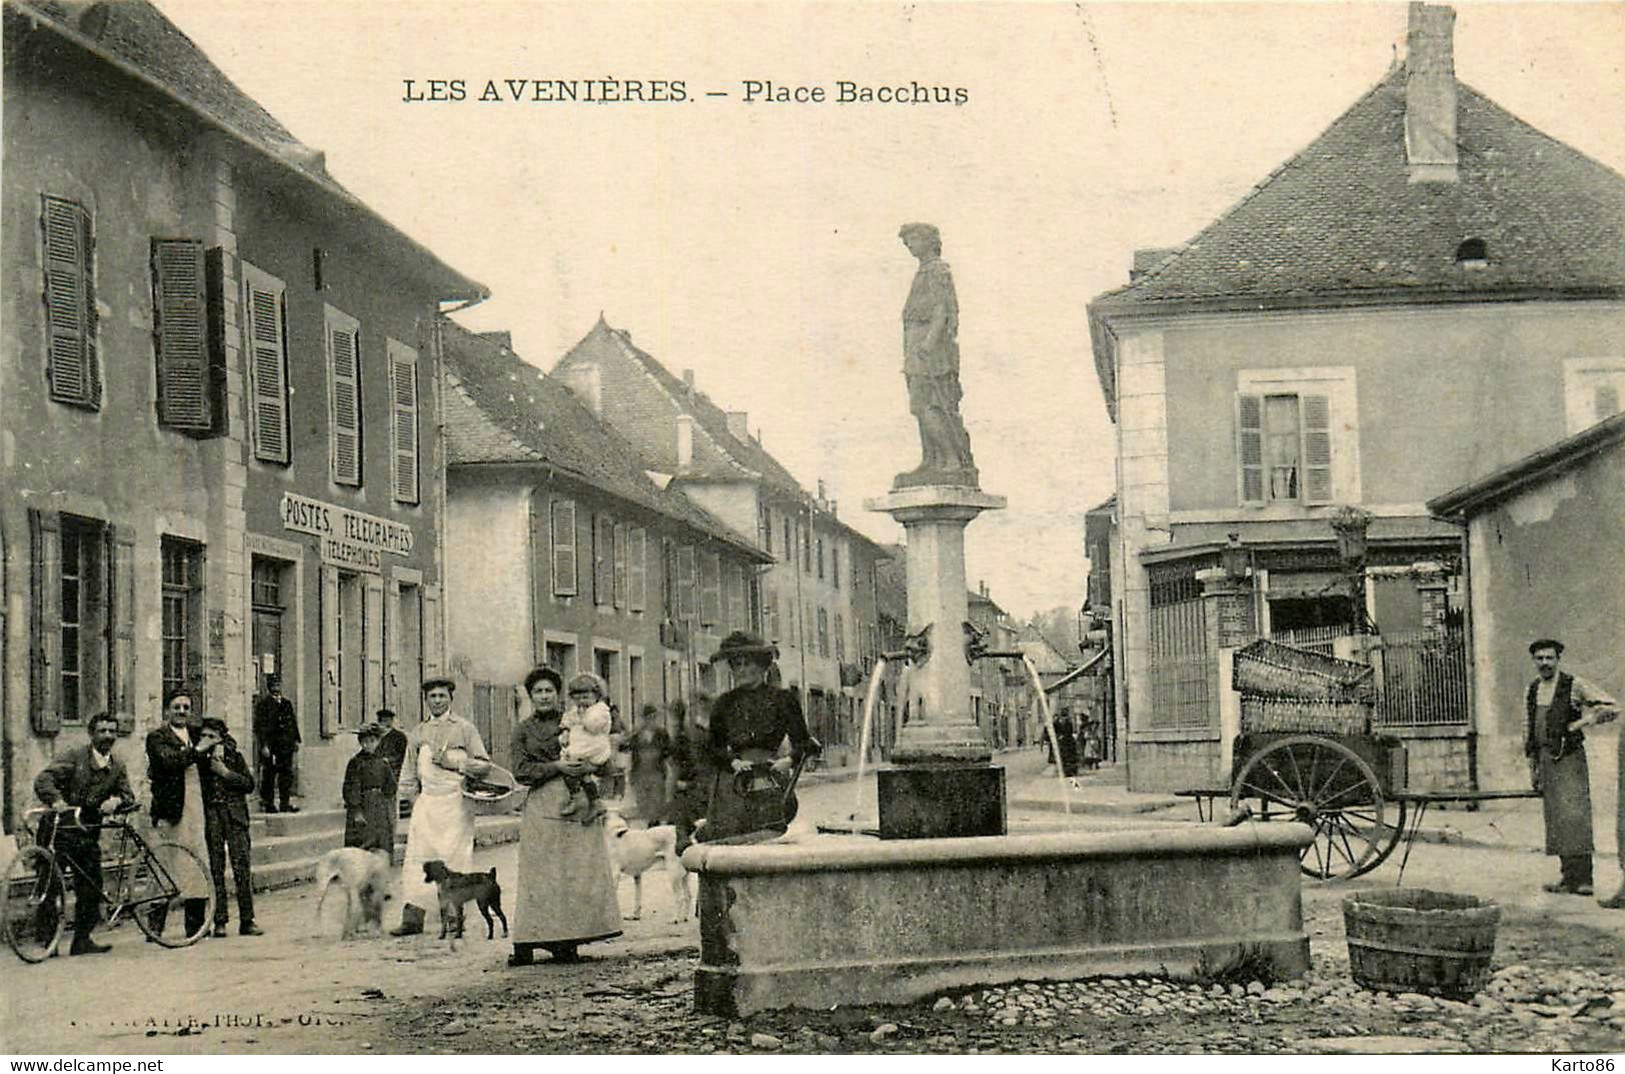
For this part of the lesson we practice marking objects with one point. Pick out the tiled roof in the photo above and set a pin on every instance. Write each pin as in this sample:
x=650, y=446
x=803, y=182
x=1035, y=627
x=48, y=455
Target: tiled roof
x=1473, y=498
x=744, y=459
x=1342, y=219
x=501, y=409
x=135, y=35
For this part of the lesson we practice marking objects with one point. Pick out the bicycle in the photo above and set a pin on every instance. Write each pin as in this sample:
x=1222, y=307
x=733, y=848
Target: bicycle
x=37, y=894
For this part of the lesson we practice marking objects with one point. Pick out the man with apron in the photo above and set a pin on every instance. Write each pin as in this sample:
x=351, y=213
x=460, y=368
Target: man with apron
x=440, y=752
x=1558, y=708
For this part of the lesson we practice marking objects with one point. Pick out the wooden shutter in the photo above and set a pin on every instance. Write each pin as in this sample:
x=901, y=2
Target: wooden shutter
x=603, y=563
x=637, y=596
x=70, y=304
x=121, y=660
x=1317, y=448
x=686, y=583
x=403, y=386
x=620, y=564
x=179, y=335
x=344, y=392
x=45, y=657
x=564, y=547
x=711, y=594
x=266, y=328
x=1250, y=446
x=434, y=633
x=392, y=645
x=372, y=595
x=332, y=719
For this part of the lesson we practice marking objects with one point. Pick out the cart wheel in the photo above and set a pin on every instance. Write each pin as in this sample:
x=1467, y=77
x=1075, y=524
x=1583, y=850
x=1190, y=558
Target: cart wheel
x=1324, y=784
x=156, y=883
x=34, y=905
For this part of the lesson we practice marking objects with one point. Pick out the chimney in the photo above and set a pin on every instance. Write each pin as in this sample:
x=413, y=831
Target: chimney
x=820, y=492
x=586, y=383
x=1430, y=94
x=685, y=440
x=688, y=380
x=739, y=425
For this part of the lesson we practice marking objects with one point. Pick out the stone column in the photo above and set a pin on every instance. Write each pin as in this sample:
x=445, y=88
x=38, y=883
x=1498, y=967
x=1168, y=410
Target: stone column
x=943, y=784
x=1230, y=615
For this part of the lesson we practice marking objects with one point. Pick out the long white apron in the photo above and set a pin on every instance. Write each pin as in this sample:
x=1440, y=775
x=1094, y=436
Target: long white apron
x=442, y=829
x=191, y=877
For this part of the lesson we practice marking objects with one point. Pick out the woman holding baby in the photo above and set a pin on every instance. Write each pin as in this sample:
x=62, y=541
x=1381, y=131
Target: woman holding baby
x=566, y=888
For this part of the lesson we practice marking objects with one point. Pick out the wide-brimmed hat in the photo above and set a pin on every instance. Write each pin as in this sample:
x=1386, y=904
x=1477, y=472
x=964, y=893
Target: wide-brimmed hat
x=369, y=730
x=744, y=643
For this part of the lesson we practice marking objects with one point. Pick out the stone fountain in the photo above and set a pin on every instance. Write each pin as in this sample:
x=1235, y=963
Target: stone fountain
x=947, y=899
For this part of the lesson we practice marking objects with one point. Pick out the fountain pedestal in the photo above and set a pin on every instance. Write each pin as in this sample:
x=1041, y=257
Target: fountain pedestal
x=941, y=784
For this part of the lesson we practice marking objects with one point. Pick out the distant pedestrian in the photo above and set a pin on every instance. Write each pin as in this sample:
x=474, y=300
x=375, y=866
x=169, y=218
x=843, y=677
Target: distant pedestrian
x=276, y=729
x=1559, y=706
x=92, y=780
x=227, y=782
x=175, y=754
x=1066, y=739
x=687, y=803
x=651, y=758
x=1089, y=748
x=391, y=741
x=369, y=794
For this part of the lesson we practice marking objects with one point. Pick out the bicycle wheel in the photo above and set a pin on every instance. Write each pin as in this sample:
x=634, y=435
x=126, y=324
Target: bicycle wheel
x=157, y=881
x=34, y=904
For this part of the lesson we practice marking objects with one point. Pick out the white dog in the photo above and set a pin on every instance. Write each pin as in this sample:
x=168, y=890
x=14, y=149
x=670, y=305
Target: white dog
x=364, y=876
x=634, y=851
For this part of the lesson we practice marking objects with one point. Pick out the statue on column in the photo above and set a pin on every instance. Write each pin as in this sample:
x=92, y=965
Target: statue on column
x=931, y=367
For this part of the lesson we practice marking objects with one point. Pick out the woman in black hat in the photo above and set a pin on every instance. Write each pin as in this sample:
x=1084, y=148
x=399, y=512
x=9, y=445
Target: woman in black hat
x=749, y=724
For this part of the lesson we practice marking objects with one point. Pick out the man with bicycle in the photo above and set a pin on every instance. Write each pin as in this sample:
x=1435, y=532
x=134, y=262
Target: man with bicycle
x=95, y=782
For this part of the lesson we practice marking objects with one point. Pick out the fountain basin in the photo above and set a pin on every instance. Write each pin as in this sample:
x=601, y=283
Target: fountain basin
x=853, y=921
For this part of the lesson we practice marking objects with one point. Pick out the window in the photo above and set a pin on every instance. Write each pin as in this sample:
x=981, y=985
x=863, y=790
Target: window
x=806, y=550
x=1286, y=452
x=840, y=639
x=687, y=588
x=344, y=396
x=182, y=626
x=268, y=604
x=180, y=321
x=265, y=325
x=1295, y=436
x=562, y=536
x=637, y=596
x=823, y=632
x=606, y=664
x=820, y=558
x=561, y=657
x=603, y=561
x=1592, y=390
x=72, y=370
x=403, y=390
x=835, y=564
x=764, y=527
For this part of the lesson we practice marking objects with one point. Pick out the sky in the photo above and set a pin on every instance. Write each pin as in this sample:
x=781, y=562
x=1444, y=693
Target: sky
x=756, y=243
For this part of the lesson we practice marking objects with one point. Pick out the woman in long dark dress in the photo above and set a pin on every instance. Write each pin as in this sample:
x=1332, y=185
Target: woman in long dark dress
x=749, y=724
x=369, y=795
x=651, y=751
x=566, y=887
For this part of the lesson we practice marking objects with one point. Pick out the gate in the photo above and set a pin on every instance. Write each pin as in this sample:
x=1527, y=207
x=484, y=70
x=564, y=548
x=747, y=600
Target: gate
x=1184, y=673
x=1424, y=680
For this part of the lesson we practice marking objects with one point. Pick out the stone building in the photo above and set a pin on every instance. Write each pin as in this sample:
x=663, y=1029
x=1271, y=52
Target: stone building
x=822, y=578
x=568, y=554
x=1429, y=290
x=219, y=405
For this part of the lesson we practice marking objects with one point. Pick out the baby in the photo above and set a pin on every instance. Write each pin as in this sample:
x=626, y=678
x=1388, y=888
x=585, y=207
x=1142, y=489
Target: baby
x=584, y=737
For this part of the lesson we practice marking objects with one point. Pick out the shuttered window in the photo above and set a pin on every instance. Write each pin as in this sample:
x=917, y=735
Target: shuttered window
x=1317, y=449
x=1284, y=447
x=562, y=531
x=403, y=390
x=710, y=590
x=603, y=560
x=686, y=589
x=637, y=596
x=179, y=329
x=82, y=620
x=265, y=328
x=70, y=304
x=1250, y=446
x=344, y=396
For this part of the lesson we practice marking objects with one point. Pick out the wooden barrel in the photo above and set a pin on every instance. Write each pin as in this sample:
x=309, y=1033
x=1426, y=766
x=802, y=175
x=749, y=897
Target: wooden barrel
x=1433, y=942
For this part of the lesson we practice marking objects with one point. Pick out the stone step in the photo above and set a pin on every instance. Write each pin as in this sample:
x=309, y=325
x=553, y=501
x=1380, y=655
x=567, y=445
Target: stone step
x=302, y=823
x=285, y=867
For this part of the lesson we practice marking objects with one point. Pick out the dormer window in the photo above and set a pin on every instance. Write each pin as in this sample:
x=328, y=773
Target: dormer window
x=1473, y=254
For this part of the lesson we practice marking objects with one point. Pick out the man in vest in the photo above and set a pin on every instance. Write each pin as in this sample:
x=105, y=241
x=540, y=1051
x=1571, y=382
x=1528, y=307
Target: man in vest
x=1559, y=706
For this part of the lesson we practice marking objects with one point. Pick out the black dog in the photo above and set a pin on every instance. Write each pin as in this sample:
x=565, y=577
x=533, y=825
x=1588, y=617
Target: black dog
x=456, y=889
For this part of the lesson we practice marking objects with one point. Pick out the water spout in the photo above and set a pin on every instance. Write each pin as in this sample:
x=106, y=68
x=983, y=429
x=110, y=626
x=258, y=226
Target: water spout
x=1049, y=726
x=863, y=735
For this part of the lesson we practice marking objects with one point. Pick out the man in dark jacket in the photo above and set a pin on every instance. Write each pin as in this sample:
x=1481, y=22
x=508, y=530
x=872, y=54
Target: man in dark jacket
x=391, y=742
x=226, y=784
x=93, y=780
x=276, y=727
x=176, y=757
x=369, y=795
